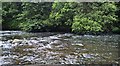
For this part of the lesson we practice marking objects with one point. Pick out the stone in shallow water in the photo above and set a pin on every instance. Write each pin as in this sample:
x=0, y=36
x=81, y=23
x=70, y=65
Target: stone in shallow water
x=69, y=35
x=60, y=36
x=78, y=45
x=44, y=42
x=86, y=55
x=41, y=45
x=54, y=38
x=48, y=46
x=56, y=42
x=34, y=41
x=66, y=35
x=17, y=41
x=10, y=41
x=34, y=38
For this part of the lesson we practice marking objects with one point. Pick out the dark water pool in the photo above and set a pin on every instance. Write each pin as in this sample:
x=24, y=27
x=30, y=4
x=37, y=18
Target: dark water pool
x=58, y=48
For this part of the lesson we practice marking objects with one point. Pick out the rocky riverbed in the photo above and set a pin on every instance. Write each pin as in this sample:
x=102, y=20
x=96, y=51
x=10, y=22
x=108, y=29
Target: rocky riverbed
x=57, y=48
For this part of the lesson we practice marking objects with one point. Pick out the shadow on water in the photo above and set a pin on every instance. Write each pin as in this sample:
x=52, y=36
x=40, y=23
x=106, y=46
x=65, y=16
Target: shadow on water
x=59, y=48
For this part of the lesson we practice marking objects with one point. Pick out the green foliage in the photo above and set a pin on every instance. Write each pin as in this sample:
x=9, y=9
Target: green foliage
x=84, y=25
x=94, y=17
x=62, y=13
x=81, y=18
x=35, y=25
x=9, y=14
x=116, y=30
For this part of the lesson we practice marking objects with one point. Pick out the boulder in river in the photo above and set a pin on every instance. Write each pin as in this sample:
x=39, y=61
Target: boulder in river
x=17, y=41
x=44, y=41
x=66, y=35
x=54, y=38
x=56, y=42
x=85, y=55
x=80, y=44
x=34, y=38
x=34, y=41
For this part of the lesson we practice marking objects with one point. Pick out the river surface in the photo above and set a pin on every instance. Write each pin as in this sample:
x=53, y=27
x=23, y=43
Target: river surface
x=57, y=48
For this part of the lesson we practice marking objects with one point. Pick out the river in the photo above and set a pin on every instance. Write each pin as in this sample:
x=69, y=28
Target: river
x=57, y=48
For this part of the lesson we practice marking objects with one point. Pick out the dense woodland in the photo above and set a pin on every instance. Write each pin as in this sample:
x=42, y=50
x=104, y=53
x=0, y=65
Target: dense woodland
x=80, y=18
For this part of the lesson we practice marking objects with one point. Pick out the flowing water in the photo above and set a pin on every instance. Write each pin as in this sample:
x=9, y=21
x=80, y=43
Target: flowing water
x=57, y=48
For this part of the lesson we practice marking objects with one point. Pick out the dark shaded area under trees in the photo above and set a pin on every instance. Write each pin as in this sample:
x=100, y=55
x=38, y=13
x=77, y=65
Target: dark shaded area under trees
x=80, y=18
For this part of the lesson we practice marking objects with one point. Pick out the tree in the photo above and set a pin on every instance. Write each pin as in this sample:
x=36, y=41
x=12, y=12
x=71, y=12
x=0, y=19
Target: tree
x=94, y=17
x=84, y=17
x=34, y=16
x=62, y=15
x=10, y=11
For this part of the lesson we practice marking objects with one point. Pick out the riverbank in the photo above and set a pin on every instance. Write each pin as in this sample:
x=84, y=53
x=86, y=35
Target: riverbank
x=100, y=33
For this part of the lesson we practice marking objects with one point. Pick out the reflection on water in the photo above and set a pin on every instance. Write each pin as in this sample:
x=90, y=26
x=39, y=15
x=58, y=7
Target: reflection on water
x=57, y=48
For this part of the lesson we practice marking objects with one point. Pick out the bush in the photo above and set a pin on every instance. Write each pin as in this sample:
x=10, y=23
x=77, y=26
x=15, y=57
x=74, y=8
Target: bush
x=84, y=25
x=35, y=25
